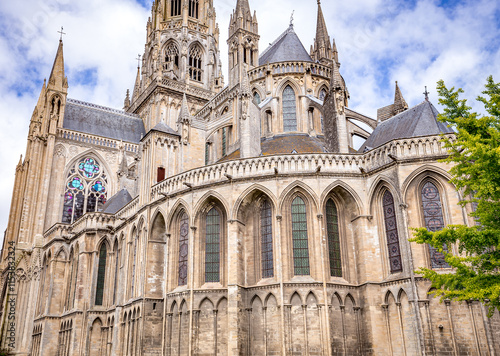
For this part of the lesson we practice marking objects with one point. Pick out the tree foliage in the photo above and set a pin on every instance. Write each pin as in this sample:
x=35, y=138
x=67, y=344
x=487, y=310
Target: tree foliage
x=475, y=155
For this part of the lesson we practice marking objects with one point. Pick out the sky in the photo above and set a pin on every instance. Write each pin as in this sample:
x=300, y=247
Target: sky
x=416, y=42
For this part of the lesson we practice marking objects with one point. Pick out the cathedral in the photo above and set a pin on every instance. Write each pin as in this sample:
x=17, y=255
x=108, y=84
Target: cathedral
x=231, y=215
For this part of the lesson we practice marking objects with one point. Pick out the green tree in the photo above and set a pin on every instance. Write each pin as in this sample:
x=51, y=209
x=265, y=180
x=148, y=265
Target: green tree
x=475, y=155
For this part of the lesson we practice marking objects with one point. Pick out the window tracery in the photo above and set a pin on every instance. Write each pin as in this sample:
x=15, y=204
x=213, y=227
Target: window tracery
x=183, y=248
x=171, y=57
x=195, y=62
x=391, y=231
x=175, y=7
x=86, y=190
x=266, y=232
x=193, y=8
x=300, y=238
x=289, y=110
x=332, y=226
x=434, y=220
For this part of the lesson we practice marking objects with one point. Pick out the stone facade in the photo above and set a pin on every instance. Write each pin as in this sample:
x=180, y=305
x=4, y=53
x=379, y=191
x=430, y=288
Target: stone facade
x=225, y=231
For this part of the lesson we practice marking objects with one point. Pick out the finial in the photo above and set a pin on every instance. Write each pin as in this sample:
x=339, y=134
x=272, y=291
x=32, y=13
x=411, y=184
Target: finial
x=319, y=2
x=426, y=93
x=291, y=19
x=138, y=60
x=62, y=33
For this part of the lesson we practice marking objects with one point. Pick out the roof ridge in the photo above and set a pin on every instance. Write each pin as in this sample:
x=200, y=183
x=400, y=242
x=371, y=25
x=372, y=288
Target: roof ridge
x=102, y=108
x=287, y=31
x=404, y=112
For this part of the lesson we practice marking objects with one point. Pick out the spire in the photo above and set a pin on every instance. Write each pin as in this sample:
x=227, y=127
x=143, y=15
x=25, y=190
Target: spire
x=126, y=103
x=57, y=80
x=243, y=6
x=400, y=104
x=322, y=46
x=184, y=113
x=137, y=85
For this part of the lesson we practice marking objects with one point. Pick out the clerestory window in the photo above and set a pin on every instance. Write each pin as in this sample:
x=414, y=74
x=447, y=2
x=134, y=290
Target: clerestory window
x=289, y=110
x=183, y=248
x=300, y=238
x=86, y=190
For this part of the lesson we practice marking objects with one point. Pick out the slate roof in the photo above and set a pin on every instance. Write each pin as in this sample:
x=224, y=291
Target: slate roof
x=162, y=127
x=287, y=47
x=117, y=202
x=101, y=121
x=420, y=120
x=286, y=144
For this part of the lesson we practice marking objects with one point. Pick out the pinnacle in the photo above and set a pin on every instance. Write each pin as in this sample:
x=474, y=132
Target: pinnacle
x=57, y=79
x=399, y=101
x=184, y=113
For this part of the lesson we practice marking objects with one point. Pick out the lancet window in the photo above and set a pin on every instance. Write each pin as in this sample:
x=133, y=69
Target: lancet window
x=266, y=235
x=183, y=248
x=171, y=57
x=86, y=189
x=332, y=227
x=224, y=141
x=117, y=266
x=300, y=238
x=391, y=231
x=101, y=275
x=175, y=7
x=256, y=98
x=195, y=62
x=193, y=8
x=322, y=96
x=212, y=246
x=434, y=220
x=289, y=110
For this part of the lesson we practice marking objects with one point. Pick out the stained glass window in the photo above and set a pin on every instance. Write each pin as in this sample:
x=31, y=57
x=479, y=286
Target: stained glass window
x=434, y=221
x=391, y=231
x=322, y=96
x=289, y=110
x=212, y=246
x=175, y=7
x=117, y=265
x=224, y=141
x=195, y=54
x=85, y=190
x=134, y=254
x=101, y=274
x=183, y=249
x=332, y=228
x=207, y=153
x=299, y=237
x=266, y=232
x=256, y=98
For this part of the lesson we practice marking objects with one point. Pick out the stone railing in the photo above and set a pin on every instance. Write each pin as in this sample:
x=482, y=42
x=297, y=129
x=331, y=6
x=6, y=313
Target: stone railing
x=290, y=68
x=303, y=164
x=89, y=221
x=95, y=140
x=128, y=210
x=196, y=26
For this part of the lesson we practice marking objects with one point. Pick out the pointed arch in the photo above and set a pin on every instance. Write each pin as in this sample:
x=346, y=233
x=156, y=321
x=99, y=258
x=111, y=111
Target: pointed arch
x=195, y=59
x=348, y=195
x=158, y=227
x=298, y=187
x=421, y=172
x=289, y=109
x=379, y=183
x=61, y=253
x=101, y=274
x=249, y=192
x=180, y=204
x=288, y=81
x=209, y=199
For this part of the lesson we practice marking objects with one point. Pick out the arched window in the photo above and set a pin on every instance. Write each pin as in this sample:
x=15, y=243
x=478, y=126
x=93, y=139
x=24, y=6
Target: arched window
x=175, y=7
x=266, y=235
x=117, y=266
x=212, y=246
x=289, y=110
x=86, y=189
x=183, y=248
x=101, y=275
x=299, y=237
x=224, y=142
x=193, y=8
x=322, y=96
x=195, y=62
x=69, y=284
x=75, y=277
x=391, y=231
x=207, y=153
x=256, y=98
x=332, y=227
x=434, y=220
x=135, y=237
x=171, y=57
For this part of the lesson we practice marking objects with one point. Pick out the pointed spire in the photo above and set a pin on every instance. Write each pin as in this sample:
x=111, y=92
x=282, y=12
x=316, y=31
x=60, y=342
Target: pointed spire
x=126, y=103
x=400, y=104
x=20, y=161
x=57, y=79
x=322, y=45
x=243, y=6
x=184, y=113
x=41, y=99
x=137, y=85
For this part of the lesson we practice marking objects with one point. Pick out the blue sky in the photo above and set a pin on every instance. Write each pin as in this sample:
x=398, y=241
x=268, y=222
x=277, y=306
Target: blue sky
x=415, y=42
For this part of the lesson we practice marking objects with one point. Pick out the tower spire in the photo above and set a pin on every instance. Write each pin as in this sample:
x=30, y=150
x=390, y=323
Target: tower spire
x=58, y=80
x=322, y=50
x=137, y=86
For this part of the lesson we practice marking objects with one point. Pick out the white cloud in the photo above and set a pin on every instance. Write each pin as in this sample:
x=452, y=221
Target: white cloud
x=415, y=42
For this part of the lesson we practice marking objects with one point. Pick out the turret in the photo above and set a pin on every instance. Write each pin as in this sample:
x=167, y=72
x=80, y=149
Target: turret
x=389, y=111
x=243, y=42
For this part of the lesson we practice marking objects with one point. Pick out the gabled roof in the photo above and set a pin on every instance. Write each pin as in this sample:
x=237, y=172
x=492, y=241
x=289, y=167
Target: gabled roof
x=286, y=48
x=117, y=202
x=162, y=127
x=101, y=121
x=420, y=120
